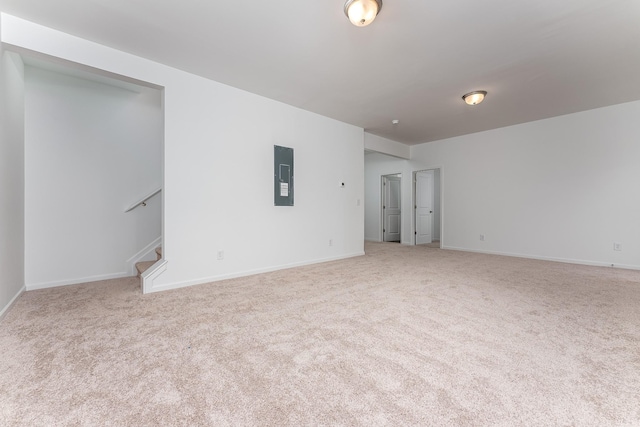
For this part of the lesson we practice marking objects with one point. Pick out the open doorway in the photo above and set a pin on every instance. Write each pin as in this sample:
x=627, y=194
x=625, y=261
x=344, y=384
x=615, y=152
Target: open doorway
x=95, y=137
x=427, y=207
x=391, y=207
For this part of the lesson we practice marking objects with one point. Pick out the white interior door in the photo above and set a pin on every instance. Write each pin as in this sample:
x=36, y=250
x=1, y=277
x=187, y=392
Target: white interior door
x=424, y=207
x=391, y=211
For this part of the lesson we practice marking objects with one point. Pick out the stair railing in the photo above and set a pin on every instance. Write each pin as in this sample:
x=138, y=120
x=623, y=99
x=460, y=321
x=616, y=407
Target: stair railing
x=143, y=202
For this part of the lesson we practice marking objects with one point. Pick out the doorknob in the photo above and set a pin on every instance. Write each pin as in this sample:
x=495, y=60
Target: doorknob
x=430, y=211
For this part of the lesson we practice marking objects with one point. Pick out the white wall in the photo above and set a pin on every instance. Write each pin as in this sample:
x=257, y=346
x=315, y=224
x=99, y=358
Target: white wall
x=11, y=179
x=91, y=150
x=563, y=189
x=219, y=184
x=386, y=146
x=218, y=170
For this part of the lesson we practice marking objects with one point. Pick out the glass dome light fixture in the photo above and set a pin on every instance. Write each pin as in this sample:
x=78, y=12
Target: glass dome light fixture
x=362, y=12
x=475, y=97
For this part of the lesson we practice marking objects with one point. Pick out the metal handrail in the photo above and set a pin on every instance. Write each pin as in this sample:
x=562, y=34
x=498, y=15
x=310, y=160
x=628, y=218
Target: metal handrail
x=143, y=202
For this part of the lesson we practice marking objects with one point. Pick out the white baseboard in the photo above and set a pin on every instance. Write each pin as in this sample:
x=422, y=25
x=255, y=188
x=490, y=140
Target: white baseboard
x=177, y=285
x=545, y=258
x=6, y=308
x=56, y=283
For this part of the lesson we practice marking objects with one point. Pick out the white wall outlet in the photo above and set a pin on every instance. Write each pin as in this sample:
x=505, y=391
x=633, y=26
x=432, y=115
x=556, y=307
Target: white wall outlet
x=358, y=202
x=330, y=242
x=220, y=255
x=617, y=246
x=482, y=237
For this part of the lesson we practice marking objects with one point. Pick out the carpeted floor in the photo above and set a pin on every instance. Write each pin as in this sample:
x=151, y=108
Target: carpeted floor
x=402, y=336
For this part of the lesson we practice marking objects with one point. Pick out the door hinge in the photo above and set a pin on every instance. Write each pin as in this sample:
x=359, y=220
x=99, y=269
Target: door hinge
x=384, y=207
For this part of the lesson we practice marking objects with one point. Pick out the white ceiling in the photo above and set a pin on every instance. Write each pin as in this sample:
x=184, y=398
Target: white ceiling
x=537, y=59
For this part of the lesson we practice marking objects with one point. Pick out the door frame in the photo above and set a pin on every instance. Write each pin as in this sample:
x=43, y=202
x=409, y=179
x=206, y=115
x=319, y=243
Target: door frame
x=431, y=190
x=382, y=196
x=439, y=202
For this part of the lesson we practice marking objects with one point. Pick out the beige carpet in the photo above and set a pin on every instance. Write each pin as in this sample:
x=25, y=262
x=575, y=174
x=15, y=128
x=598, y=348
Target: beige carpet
x=434, y=244
x=402, y=336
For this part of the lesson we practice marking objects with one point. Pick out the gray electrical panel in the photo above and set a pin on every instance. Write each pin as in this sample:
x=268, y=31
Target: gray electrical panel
x=283, y=176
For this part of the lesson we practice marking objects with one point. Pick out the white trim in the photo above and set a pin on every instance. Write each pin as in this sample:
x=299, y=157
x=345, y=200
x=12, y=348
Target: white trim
x=6, y=308
x=210, y=279
x=543, y=258
x=143, y=254
x=382, y=200
x=56, y=283
x=151, y=274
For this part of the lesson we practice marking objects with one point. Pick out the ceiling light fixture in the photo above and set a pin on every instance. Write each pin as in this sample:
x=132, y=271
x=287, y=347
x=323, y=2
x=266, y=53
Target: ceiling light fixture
x=474, y=98
x=362, y=12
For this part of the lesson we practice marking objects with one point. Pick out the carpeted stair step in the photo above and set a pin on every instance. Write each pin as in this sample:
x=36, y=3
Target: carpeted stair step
x=143, y=266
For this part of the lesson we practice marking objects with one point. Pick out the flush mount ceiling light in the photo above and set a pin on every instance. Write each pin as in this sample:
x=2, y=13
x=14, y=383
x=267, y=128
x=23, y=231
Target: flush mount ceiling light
x=362, y=12
x=474, y=98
